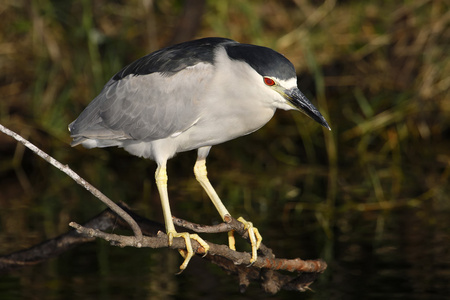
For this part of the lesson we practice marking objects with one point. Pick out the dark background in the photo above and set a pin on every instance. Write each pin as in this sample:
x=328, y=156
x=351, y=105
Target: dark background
x=370, y=197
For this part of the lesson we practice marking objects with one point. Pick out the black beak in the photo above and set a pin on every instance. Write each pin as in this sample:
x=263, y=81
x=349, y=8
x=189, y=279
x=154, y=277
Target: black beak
x=301, y=103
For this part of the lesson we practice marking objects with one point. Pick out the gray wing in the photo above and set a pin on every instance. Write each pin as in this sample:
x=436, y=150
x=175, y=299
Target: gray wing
x=144, y=107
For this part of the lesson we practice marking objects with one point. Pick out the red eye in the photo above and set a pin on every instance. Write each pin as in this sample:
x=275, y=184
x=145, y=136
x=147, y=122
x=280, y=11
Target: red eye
x=269, y=81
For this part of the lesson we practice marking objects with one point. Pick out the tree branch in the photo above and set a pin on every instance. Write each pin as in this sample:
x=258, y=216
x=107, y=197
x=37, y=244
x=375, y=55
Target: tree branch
x=264, y=270
x=94, y=191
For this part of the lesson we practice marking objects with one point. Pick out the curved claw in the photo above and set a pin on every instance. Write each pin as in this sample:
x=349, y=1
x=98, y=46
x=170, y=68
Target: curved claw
x=187, y=255
x=254, y=236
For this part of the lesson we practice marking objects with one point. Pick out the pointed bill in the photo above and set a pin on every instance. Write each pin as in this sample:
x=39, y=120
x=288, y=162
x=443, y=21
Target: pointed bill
x=299, y=102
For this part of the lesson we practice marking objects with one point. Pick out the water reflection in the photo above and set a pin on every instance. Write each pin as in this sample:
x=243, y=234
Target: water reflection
x=398, y=254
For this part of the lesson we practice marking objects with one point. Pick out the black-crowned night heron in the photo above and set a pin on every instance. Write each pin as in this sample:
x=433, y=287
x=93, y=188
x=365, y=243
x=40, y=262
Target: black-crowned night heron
x=191, y=96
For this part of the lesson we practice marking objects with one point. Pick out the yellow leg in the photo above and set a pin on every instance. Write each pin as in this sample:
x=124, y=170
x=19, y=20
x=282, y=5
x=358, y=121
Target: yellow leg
x=161, y=183
x=202, y=177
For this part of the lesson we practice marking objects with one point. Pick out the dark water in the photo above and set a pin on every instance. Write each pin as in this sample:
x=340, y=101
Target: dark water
x=395, y=248
x=401, y=253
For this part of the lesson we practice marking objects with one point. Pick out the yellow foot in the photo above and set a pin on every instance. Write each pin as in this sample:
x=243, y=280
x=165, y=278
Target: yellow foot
x=254, y=236
x=231, y=240
x=187, y=255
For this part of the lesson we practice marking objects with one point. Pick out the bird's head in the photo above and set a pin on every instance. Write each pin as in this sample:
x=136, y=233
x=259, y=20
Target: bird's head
x=277, y=78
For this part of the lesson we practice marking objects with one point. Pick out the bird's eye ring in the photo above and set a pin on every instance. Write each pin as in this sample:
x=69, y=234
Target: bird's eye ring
x=268, y=81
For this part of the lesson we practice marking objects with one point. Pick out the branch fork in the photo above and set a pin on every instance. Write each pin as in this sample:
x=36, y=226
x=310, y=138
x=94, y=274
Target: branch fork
x=264, y=269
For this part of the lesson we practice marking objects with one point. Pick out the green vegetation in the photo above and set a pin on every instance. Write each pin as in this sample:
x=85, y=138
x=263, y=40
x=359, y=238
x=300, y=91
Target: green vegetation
x=378, y=70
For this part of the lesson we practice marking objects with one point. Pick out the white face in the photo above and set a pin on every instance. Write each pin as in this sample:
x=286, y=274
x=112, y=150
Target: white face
x=288, y=84
x=236, y=79
x=248, y=83
x=278, y=88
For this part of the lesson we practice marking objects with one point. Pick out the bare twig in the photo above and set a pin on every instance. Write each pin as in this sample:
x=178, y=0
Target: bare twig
x=240, y=258
x=230, y=224
x=264, y=269
x=218, y=228
x=94, y=191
